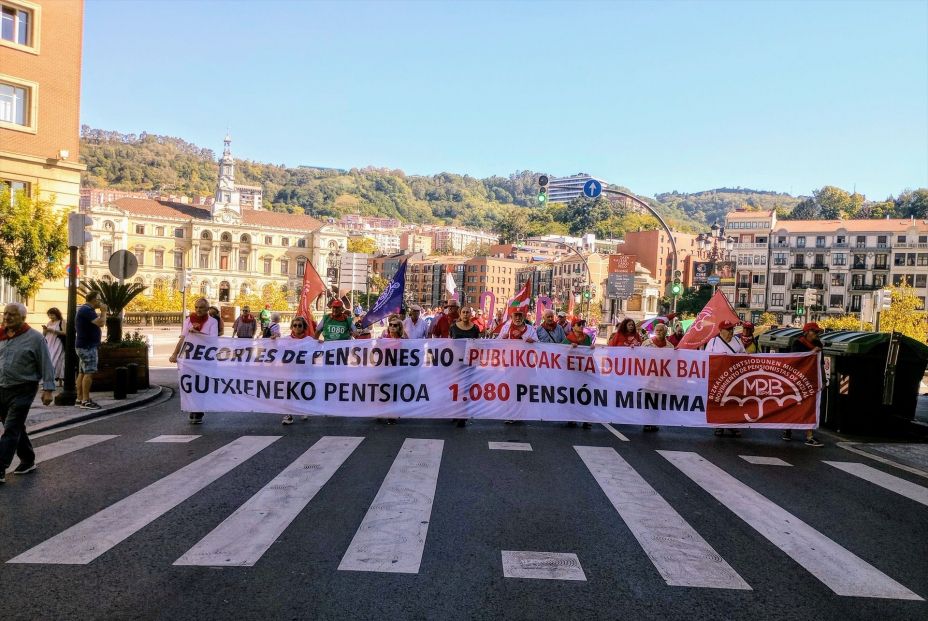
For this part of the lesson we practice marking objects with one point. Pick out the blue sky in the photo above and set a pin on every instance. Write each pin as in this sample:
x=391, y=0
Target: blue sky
x=655, y=96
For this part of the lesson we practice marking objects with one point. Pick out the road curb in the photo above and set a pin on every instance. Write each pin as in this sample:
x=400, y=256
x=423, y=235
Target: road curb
x=91, y=414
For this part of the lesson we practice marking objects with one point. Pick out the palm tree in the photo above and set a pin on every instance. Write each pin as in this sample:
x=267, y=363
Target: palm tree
x=116, y=296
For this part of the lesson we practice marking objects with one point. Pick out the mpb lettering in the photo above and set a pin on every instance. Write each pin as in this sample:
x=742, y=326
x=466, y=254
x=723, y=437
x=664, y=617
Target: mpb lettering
x=763, y=387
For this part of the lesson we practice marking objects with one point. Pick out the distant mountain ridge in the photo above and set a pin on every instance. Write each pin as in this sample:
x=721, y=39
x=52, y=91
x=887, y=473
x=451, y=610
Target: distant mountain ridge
x=505, y=205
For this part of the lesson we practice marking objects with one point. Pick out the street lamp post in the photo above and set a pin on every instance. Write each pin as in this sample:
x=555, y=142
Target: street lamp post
x=715, y=246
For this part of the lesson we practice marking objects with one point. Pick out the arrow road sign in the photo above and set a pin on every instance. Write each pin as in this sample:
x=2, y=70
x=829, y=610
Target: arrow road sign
x=592, y=188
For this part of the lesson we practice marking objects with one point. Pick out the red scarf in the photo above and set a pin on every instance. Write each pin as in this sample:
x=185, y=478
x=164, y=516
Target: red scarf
x=516, y=332
x=811, y=345
x=747, y=340
x=659, y=341
x=197, y=322
x=4, y=336
x=294, y=336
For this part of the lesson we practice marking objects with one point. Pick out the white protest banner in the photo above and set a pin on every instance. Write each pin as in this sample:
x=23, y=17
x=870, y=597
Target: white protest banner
x=491, y=379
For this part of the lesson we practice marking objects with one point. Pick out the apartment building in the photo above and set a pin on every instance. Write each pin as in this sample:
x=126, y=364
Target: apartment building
x=40, y=85
x=655, y=253
x=412, y=242
x=460, y=241
x=750, y=232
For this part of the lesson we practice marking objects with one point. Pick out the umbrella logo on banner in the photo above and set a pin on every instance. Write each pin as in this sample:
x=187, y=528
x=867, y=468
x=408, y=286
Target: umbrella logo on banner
x=760, y=387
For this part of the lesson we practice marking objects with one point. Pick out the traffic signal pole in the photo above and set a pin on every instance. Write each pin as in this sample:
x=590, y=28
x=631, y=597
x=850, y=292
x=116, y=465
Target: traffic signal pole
x=68, y=394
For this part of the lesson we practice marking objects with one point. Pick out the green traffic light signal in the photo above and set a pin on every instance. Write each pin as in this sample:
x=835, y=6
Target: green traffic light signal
x=676, y=289
x=542, y=197
x=800, y=311
x=586, y=295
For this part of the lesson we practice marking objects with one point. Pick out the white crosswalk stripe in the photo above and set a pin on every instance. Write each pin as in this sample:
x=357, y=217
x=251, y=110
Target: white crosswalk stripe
x=679, y=554
x=63, y=447
x=94, y=536
x=886, y=481
x=839, y=569
x=248, y=533
x=391, y=537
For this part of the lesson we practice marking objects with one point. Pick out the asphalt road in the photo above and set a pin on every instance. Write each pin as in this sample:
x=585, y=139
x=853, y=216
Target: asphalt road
x=679, y=549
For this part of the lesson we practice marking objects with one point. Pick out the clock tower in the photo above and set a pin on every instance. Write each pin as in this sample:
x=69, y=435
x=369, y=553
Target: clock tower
x=228, y=204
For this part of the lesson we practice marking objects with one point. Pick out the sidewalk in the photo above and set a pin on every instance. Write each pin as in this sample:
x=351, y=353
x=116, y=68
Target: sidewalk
x=43, y=417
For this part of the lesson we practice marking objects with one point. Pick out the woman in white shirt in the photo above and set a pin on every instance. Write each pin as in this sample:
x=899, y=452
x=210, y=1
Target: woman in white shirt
x=726, y=343
x=198, y=322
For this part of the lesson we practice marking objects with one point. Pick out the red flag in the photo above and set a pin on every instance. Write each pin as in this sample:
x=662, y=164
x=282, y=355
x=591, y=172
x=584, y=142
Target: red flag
x=521, y=301
x=570, y=307
x=707, y=322
x=313, y=287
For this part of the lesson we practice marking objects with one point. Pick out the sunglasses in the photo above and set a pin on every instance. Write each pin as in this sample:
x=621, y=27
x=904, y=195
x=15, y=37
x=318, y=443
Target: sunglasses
x=298, y=325
x=396, y=325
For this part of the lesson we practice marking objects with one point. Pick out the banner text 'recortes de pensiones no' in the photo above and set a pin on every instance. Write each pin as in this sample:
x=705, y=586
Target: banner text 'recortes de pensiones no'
x=509, y=380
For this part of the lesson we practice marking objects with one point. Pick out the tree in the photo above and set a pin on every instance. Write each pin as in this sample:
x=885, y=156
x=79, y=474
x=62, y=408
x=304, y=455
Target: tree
x=906, y=314
x=768, y=319
x=270, y=294
x=33, y=241
x=364, y=245
x=913, y=204
x=841, y=322
x=161, y=300
x=693, y=300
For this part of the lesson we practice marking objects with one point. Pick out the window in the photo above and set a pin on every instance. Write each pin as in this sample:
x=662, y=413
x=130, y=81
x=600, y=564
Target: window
x=179, y=233
x=779, y=258
x=921, y=280
x=268, y=240
x=757, y=299
x=16, y=103
x=243, y=262
x=178, y=259
x=779, y=278
x=899, y=259
x=881, y=241
x=900, y=279
x=758, y=279
x=300, y=267
x=836, y=301
x=819, y=260
x=900, y=239
x=159, y=231
x=879, y=281
x=159, y=258
x=139, y=229
x=837, y=280
x=284, y=267
x=267, y=266
x=107, y=252
x=922, y=258
x=16, y=25
x=860, y=262
x=797, y=280
x=861, y=241
x=776, y=299
x=223, y=261
x=839, y=258
x=301, y=243
x=285, y=242
x=857, y=280
x=140, y=255
x=879, y=261
x=760, y=259
x=841, y=239
x=820, y=241
x=910, y=259
x=17, y=186
x=204, y=261
x=801, y=242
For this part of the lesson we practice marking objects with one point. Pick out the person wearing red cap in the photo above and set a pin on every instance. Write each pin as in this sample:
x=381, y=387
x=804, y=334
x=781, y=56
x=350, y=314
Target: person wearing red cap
x=747, y=338
x=809, y=341
x=725, y=343
x=336, y=326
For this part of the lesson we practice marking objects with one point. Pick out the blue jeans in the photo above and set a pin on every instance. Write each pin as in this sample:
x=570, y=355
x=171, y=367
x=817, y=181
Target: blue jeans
x=14, y=407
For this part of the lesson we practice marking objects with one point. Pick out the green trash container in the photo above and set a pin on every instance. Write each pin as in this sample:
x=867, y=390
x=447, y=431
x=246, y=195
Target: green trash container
x=872, y=380
x=778, y=341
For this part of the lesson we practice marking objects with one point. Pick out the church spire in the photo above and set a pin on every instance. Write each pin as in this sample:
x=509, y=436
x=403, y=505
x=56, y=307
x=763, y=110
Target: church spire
x=228, y=198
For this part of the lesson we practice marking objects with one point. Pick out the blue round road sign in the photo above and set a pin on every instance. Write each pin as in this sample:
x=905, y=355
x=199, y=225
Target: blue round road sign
x=713, y=280
x=592, y=188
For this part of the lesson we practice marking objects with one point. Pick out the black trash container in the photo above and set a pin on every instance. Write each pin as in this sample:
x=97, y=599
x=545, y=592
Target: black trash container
x=872, y=380
x=779, y=341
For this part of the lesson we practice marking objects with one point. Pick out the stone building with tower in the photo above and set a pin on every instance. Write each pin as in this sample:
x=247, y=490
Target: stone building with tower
x=230, y=247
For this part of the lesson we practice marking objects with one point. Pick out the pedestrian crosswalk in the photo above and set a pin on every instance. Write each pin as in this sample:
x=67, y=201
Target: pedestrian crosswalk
x=393, y=534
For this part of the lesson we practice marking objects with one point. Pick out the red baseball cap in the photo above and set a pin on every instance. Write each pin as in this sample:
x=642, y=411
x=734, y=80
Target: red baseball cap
x=727, y=325
x=812, y=326
x=337, y=304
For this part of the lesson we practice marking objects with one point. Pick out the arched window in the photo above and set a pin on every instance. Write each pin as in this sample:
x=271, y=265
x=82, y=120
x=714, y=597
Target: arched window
x=224, y=291
x=206, y=235
x=226, y=237
x=108, y=226
x=204, y=288
x=245, y=238
x=300, y=266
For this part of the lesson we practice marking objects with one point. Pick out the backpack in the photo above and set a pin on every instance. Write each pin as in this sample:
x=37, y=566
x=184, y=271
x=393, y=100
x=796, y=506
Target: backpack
x=266, y=332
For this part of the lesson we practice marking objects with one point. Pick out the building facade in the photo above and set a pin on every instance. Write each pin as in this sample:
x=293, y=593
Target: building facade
x=229, y=249
x=40, y=82
x=654, y=252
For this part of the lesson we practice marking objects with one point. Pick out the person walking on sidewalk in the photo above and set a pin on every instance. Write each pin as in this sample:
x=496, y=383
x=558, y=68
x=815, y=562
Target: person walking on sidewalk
x=199, y=322
x=87, y=334
x=24, y=363
x=809, y=341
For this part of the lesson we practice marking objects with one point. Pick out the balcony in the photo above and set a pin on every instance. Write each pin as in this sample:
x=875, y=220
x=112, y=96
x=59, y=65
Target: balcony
x=819, y=266
x=884, y=267
x=741, y=305
x=798, y=266
x=863, y=287
x=921, y=246
x=780, y=262
x=750, y=246
x=777, y=245
x=858, y=266
x=844, y=245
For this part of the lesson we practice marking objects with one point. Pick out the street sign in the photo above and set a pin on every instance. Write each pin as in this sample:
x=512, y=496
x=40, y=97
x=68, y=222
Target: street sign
x=622, y=263
x=713, y=280
x=123, y=264
x=620, y=286
x=592, y=188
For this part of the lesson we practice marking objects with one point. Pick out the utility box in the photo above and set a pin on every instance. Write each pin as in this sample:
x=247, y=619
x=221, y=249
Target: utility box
x=872, y=380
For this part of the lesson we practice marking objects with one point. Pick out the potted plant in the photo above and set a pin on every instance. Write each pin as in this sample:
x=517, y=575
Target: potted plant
x=132, y=349
x=115, y=296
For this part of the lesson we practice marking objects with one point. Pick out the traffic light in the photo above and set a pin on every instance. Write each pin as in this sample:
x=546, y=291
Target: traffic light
x=543, y=189
x=800, y=310
x=676, y=288
x=586, y=294
x=884, y=299
x=78, y=235
x=186, y=279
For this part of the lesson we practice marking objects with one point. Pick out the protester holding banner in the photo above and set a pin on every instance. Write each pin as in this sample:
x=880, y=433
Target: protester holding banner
x=441, y=327
x=659, y=339
x=416, y=327
x=809, y=341
x=747, y=338
x=245, y=326
x=464, y=328
x=626, y=335
x=725, y=343
x=496, y=324
x=198, y=322
x=577, y=336
x=677, y=335
x=394, y=330
x=299, y=329
x=549, y=331
x=517, y=329
x=336, y=326
x=562, y=321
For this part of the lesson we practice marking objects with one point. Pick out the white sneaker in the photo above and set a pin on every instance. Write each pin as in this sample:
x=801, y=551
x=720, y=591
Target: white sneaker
x=288, y=420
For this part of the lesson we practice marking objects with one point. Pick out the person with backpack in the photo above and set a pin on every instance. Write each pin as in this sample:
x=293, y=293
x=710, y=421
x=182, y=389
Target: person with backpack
x=265, y=317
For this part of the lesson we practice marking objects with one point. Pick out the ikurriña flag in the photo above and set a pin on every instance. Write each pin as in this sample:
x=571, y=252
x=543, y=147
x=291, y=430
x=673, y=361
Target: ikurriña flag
x=390, y=301
x=707, y=322
x=521, y=300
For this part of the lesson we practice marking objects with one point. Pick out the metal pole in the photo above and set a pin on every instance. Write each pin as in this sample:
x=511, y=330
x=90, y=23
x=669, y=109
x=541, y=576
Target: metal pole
x=68, y=394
